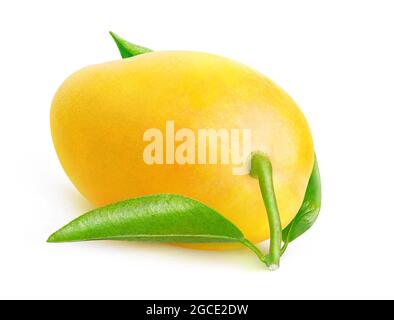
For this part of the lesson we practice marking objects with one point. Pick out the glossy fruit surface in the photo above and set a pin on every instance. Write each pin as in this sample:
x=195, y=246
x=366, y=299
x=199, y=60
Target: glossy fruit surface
x=100, y=113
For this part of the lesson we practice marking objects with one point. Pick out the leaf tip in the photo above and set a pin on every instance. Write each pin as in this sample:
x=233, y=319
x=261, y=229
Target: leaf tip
x=127, y=49
x=118, y=40
x=52, y=238
x=56, y=237
x=114, y=35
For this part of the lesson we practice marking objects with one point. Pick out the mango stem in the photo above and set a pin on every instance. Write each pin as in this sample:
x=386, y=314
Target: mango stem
x=261, y=168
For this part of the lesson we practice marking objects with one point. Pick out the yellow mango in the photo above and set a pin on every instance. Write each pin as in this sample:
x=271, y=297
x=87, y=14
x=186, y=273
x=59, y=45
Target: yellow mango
x=100, y=114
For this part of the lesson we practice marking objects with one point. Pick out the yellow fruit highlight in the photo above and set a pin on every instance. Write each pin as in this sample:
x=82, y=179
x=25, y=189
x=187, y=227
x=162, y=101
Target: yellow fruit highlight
x=100, y=114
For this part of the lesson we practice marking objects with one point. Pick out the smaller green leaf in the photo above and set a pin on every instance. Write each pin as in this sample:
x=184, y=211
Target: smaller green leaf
x=309, y=210
x=128, y=49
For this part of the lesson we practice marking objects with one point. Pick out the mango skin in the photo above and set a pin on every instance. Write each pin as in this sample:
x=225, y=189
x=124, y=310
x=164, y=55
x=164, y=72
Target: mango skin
x=100, y=113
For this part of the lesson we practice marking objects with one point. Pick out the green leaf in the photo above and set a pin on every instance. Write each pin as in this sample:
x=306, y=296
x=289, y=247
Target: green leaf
x=309, y=210
x=163, y=217
x=155, y=218
x=126, y=48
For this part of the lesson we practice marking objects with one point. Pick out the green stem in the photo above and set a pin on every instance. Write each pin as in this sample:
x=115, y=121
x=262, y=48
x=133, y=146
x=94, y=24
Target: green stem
x=256, y=250
x=261, y=168
x=282, y=251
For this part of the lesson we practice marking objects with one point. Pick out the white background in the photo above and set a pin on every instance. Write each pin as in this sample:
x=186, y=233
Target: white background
x=335, y=58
